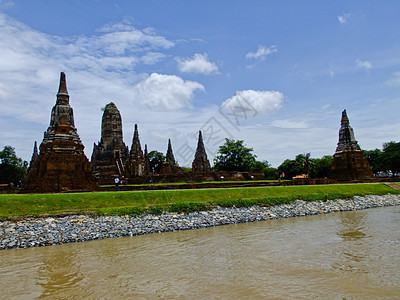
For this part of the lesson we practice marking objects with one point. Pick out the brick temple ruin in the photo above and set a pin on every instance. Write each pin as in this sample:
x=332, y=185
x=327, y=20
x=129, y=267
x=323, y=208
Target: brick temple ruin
x=111, y=158
x=61, y=165
x=349, y=161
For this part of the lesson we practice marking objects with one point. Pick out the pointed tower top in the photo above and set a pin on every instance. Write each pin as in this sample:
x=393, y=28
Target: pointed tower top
x=200, y=141
x=62, y=95
x=62, y=90
x=35, y=150
x=347, y=141
x=170, y=155
x=35, y=155
x=200, y=163
x=136, y=149
x=345, y=119
x=145, y=149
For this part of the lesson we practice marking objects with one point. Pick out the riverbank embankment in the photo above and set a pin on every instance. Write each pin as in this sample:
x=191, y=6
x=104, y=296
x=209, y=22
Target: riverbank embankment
x=35, y=232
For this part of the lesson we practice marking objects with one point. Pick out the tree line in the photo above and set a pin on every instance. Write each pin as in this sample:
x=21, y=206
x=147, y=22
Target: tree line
x=235, y=156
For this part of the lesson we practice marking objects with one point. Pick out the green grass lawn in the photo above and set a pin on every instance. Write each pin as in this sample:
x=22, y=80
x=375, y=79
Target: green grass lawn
x=137, y=202
x=194, y=183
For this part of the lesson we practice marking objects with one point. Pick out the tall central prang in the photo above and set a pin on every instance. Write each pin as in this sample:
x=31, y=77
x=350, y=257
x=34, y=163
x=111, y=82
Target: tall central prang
x=110, y=154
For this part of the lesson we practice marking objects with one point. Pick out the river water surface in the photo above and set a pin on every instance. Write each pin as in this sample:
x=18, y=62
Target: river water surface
x=342, y=255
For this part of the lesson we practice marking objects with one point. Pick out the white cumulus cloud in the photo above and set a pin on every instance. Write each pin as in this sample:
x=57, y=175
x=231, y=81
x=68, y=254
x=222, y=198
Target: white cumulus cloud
x=262, y=52
x=199, y=63
x=343, y=18
x=166, y=92
x=363, y=64
x=255, y=101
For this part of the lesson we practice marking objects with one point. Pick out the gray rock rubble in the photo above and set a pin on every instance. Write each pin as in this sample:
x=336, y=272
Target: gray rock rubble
x=34, y=232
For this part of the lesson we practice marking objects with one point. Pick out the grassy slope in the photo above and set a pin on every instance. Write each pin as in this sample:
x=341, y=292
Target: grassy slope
x=137, y=202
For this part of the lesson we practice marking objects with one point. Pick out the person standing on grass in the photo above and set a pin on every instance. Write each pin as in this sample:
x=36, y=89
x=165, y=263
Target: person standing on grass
x=116, y=183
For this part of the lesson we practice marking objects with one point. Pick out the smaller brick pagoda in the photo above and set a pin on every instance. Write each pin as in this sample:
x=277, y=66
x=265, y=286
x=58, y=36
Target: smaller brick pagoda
x=349, y=161
x=200, y=162
x=169, y=165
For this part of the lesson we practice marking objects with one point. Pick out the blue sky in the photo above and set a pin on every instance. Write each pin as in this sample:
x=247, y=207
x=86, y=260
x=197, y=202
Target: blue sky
x=276, y=74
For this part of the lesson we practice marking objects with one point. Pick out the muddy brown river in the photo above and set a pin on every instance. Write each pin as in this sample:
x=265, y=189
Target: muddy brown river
x=353, y=255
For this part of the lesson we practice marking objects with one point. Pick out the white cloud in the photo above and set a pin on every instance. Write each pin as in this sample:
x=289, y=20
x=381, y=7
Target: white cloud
x=256, y=101
x=100, y=68
x=289, y=124
x=262, y=52
x=395, y=80
x=166, y=92
x=199, y=63
x=6, y=4
x=343, y=18
x=363, y=64
x=152, y=58
x=30, y=63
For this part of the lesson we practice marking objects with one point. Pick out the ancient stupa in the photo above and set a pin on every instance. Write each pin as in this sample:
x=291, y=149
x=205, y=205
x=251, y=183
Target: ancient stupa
x=349, y=161
x=136, y=162
x=147, y=168
x=61, y=165
x=200, y=162
x=35, y=155
x=110, y=154
x=169, y=165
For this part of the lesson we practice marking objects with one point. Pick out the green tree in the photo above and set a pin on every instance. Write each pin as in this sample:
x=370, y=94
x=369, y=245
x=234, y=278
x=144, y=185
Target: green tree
x=271, y=173
x=258, y=167
x=391, y=157
x=12, y=168
x=156, y=159
x=234, y=156
x=321, y=166
x=374, y=158
x=303, y=164
x=288, y=168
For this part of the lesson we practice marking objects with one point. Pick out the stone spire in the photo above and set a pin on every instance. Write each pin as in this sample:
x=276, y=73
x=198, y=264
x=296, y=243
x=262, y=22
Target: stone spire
x=169, y=165
x=61, y=164
x=136, y=149
x=35, y=155
x=110, y=154
x=349, y=161
x=136, y=161
x=62, y=125
x=62, y=95
x=170, y=155
x=347, y=140
x=147, y=170
x=200, y=163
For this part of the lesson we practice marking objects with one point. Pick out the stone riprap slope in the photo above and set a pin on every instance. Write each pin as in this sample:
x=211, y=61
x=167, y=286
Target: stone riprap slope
x=34, y=232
